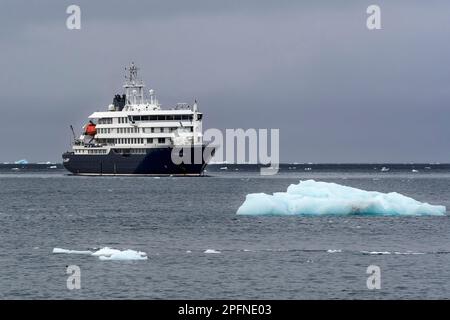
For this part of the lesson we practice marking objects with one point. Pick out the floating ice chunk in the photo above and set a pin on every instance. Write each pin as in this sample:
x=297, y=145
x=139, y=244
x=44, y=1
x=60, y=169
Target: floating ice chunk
x=376, y=252
x=384, y=169
x=334, y=250
x=409, y=252
x=322, y=198
x=60, y=250
x=107, y=253
x=23, y=161
x=414, y=170
x=211, y=251
x=125, y=255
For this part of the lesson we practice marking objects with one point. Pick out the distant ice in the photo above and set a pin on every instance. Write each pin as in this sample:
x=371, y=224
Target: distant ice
x=376, y=252
x=107, y=253
x=60, y=250
x=125, y=255
x=322, y=198
x=23, y=161
x=334, y=250
x=211, y=251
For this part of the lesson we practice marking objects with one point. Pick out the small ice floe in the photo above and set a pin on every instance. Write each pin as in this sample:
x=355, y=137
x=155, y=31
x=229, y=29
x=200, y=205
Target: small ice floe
x=384, y=169
x=376, y=252
x=308, y=169
x=334, y=250
x=15, y=169
x=125, y=255
x=60, y=250
x=223, y=168
x=428, y=168
x=107, y=253
x=211, y=251
x=414, y=170
x=322, y=198
x=188, y=251
x=53, y=167
x=408, y=252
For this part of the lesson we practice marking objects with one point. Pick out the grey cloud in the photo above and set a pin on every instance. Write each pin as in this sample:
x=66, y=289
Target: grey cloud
x=336, y=91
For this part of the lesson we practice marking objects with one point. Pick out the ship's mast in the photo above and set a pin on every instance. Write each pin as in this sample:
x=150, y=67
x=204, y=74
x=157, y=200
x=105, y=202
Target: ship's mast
x=134, y=87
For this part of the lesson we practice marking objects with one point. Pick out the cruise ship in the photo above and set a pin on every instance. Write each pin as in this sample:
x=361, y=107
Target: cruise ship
x=135, y=136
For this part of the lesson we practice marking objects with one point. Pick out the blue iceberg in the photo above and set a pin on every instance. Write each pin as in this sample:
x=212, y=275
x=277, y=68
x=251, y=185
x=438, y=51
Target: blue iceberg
x=23, y=161
x=322, y=198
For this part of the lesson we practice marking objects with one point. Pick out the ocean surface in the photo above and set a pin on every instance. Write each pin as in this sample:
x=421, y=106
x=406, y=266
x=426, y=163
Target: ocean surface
x=176, y=219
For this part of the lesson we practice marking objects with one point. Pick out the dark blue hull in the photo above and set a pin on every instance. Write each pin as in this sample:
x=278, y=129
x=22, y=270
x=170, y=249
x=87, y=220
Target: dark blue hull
x=157, y=161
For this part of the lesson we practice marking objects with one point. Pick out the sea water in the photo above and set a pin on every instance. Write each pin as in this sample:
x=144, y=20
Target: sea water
x=198, y=247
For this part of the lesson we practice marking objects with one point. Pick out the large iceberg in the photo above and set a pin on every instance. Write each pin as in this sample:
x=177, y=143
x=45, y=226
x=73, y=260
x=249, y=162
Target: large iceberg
x=322, y=198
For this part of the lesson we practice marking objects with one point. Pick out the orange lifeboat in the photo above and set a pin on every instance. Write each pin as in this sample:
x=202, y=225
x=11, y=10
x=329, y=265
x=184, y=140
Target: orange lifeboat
x=90, y=129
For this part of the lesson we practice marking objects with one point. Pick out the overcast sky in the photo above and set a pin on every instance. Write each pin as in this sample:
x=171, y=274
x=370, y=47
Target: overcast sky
x=337, y=91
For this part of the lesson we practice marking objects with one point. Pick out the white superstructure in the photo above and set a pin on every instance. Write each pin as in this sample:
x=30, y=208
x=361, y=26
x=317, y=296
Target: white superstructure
x=134, y=123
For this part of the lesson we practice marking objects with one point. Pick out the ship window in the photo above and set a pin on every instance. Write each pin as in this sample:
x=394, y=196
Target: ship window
x=169, y=117
x=152, y=130
x=178, y=117
x=144, y=118
x=199, y=116
x=161, y=117
x=150, y=140
x=161, y=140
x=153, y=118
